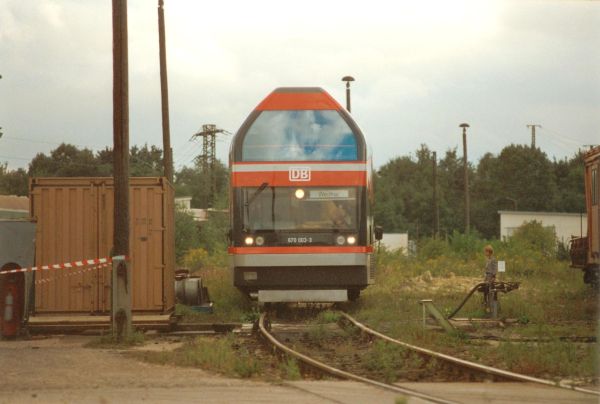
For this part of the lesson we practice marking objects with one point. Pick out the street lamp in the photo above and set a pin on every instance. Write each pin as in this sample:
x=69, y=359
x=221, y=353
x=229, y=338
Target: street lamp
x=348, y=79
x=464, y=127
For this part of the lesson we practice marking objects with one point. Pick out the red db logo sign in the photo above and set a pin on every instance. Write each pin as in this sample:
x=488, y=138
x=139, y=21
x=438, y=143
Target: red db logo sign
x=299, y=174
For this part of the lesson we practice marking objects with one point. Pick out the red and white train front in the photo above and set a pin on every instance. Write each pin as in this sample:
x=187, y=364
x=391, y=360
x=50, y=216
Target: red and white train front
x=301, y=229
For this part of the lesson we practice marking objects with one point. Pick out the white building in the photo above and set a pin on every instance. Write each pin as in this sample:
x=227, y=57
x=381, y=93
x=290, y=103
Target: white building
x=185, y=203
x=394, y=241
x=565, y=224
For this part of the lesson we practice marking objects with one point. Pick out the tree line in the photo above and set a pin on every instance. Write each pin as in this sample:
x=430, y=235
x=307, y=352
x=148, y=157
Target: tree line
x=144, y=161
x=518, y=178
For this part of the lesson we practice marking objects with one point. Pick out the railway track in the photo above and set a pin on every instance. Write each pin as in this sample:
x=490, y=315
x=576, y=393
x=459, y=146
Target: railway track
x=467, y=364
x=264, y=328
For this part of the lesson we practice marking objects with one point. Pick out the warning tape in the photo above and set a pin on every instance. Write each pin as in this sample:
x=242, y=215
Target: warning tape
x=72, y=273
x=67, y=265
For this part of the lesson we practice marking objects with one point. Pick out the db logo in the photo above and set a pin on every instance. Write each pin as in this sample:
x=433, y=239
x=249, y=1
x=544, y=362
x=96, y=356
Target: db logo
x=299, y=173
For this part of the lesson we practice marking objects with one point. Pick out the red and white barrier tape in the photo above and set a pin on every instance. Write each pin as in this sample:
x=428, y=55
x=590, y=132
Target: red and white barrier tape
x=72, y=273
x=66, y=265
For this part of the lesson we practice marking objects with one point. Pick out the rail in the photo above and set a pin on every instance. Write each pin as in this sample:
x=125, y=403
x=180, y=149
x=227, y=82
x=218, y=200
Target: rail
x=340, y=373
x=468, y=364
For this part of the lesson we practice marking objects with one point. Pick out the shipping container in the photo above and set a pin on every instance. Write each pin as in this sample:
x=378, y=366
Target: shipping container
x=74, y=218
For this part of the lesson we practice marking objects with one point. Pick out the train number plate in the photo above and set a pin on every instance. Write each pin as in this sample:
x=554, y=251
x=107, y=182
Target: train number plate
x=299, y=240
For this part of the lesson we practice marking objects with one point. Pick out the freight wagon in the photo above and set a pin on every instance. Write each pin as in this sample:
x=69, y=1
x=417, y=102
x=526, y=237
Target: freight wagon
x=585, y=251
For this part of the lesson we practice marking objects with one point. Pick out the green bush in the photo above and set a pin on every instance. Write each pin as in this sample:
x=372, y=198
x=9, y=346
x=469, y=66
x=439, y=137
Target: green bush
x=430, y=248
x=532, y=238
x=466, y=246
x=186, y=234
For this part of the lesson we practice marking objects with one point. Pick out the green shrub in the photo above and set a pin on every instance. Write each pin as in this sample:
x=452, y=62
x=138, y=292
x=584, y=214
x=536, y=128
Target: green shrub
x=186, y=233
x=290, y=369
x=466, y=246
x=532, y=238
x=430, y=248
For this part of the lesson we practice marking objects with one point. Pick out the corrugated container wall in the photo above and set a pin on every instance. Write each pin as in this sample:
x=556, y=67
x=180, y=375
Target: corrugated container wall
x=75, y=221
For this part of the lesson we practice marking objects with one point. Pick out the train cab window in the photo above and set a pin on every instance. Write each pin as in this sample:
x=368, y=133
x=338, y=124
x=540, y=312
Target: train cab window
x=305, y=135
x=300, y=209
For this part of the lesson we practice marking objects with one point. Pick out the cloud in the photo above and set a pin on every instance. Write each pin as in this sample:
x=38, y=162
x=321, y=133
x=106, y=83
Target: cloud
x=421, y=68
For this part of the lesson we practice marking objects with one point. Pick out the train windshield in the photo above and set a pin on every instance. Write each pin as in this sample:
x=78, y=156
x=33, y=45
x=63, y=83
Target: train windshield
x=270, y=208
x=305, y=135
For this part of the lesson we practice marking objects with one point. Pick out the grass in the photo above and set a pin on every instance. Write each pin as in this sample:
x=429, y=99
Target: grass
x=221, y=355
x=327, y=317
x=108, y=340
x=552, y=301
x=290, y=369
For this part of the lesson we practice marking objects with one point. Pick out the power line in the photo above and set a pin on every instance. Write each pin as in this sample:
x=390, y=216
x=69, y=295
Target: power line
x=15, y=158
x=23, y=139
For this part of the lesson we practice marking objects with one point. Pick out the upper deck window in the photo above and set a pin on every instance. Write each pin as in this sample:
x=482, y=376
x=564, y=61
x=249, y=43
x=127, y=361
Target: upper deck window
x=303, y=135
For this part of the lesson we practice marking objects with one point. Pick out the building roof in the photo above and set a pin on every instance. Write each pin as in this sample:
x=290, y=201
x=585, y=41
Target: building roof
x=526, y=213
x=13, y=202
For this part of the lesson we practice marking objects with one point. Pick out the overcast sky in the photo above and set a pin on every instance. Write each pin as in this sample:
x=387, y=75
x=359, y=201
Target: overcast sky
x=421, y=69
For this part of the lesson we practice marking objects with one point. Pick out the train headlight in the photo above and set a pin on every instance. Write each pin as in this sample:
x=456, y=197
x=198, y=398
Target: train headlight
x=260, y=240
x=249, y=240
x=340, y=240
x=351, y=240
x=299, y=193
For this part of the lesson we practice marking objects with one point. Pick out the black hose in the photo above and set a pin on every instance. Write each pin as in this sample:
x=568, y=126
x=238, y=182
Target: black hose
x=475, y=288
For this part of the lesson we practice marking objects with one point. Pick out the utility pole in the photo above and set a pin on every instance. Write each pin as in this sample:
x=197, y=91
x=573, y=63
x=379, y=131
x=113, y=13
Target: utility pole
x=348, y=79
x=208, y=157
x=464, y=127
x=533, y=126
x=436, y=209
x=121, y=272
x=164, y=92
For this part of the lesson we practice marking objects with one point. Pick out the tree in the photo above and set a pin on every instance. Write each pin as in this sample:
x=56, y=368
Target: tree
x=69, y=161
x=15, y=182
x=451, y=180
x=186, y=234
x=486, y=199
x=569, y=177
x=527, y=176
x=65, y=161
x=404, y=194
x=196, y=182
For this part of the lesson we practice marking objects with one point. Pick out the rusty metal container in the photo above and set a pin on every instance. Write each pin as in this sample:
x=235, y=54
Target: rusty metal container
x=74, y=219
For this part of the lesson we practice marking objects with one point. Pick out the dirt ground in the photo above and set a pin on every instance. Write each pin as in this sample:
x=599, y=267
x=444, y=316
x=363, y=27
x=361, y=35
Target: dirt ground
x=59, y=369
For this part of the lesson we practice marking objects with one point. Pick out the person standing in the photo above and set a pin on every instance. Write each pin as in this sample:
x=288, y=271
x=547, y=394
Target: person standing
x=491, y=265
x=490, y=298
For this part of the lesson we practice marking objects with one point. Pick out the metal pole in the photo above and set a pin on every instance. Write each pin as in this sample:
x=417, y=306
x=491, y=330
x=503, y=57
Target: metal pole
x=464, y=127
x=164, y=91
x=348, y=79
x=436, y=210
x=121, y=274
x=533, y=126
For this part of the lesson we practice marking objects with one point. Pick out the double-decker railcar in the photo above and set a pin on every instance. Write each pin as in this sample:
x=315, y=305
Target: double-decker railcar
x=301, y=226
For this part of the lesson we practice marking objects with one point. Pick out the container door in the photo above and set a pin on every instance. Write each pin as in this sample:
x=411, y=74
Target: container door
x=66, y=232
x=146, y=245
x=147, y=232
